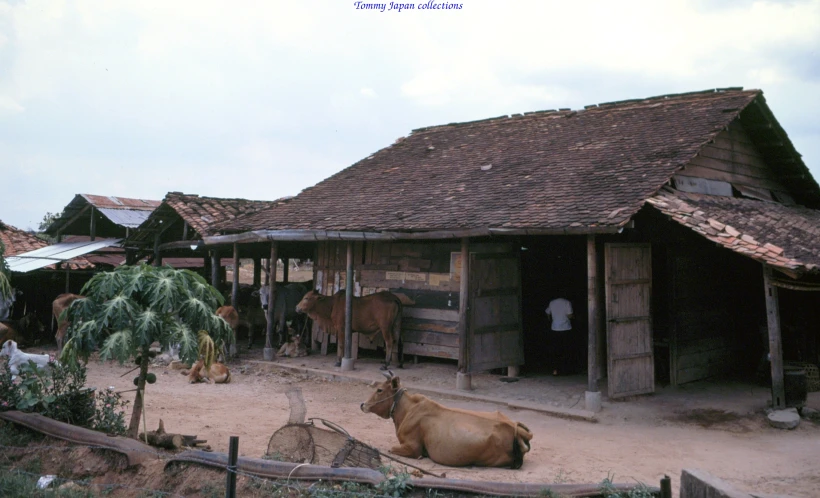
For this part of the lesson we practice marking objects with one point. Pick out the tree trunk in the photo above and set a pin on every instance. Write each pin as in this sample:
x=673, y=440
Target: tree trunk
x=170, y=441
x=136, y=413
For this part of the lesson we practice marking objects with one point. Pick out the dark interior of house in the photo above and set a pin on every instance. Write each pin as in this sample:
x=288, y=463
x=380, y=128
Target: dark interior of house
x=548, y=265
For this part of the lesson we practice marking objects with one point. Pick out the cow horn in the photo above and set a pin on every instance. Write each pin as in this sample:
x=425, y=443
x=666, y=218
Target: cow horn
x=388, y=374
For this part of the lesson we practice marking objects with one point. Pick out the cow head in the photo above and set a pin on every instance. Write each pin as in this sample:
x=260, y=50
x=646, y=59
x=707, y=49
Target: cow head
x=308, y=302
x=381, y=401
x=9, y=348
x=195, y=374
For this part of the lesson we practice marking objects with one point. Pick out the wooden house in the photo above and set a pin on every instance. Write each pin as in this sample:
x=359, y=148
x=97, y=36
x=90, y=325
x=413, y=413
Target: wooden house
x=671, y=223
x=95, y=225
x=173, y=233
x=101, y=216
x=35, y=289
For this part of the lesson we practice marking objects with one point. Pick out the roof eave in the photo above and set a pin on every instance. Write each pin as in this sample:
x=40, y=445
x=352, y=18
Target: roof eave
x=323, y=235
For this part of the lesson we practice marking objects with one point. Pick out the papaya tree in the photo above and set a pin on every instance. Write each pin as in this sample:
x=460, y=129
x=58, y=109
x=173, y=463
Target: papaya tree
x=125, y=310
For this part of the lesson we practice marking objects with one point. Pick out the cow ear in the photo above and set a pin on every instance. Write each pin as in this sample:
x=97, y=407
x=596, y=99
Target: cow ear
x=395, y=382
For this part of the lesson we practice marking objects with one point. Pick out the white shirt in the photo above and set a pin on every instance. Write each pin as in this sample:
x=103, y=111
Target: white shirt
x=560, y=309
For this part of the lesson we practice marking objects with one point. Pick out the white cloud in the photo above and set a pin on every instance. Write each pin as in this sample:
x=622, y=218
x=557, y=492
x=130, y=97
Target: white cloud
x=8, y=104
x=262, y=99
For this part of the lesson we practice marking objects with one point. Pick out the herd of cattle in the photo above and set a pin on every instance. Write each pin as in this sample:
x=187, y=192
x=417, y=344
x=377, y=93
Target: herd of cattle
x=424, y=428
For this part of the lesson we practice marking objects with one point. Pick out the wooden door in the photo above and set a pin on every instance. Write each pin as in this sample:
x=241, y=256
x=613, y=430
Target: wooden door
x=631, y=362
x=495, y=337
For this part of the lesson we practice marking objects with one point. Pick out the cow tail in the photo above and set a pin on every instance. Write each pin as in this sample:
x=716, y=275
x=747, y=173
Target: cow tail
x=517, y=453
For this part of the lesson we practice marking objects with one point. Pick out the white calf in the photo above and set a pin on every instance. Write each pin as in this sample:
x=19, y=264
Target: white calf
x=17, y=358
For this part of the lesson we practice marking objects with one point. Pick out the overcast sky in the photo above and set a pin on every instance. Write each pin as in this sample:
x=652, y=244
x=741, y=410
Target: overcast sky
x=262, y=99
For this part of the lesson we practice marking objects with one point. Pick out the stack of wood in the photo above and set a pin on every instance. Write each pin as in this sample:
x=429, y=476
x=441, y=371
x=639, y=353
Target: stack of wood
x=167, y=440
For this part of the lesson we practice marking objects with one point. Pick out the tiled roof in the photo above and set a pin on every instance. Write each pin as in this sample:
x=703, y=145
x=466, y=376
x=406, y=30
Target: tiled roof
x=587, y=169
x=202, y=213
x=18, y=241
x=782, y=236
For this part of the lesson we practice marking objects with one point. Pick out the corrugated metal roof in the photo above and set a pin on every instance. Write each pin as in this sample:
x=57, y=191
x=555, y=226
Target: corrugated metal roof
x=56, y=253
x=130, y=218
x=76, y=216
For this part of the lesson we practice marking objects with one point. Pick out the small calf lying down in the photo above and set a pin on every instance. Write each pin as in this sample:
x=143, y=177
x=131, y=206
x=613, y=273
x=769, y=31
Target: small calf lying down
x=17, y=358
x=293, y=348
x=218, y=373
x=449, y=436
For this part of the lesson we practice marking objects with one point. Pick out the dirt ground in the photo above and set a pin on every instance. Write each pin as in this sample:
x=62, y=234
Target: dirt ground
x=635, y=440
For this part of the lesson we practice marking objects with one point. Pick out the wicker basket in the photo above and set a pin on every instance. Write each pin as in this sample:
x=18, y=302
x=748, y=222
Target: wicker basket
x=812, y=374
x=306, y=443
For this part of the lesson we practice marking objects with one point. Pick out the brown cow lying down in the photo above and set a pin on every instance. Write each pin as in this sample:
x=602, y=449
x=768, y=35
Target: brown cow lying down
x=22, y=331
x=294, y=347
x=449, y=436
x=218, y=373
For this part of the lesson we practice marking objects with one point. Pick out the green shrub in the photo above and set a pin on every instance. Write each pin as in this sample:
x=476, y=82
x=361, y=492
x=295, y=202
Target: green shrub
x=396, y=484
x=608, y=489
x=59, y=393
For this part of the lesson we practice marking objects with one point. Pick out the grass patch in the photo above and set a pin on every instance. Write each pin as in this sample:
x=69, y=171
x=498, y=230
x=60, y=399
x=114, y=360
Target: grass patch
x=16, y=436
x=17, y=484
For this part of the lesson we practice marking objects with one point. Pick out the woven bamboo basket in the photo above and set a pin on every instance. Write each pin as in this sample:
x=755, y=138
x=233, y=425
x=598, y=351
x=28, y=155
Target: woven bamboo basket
x=812, y=374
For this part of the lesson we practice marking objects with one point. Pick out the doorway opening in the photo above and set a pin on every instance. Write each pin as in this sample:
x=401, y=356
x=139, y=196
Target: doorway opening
x=553, y=267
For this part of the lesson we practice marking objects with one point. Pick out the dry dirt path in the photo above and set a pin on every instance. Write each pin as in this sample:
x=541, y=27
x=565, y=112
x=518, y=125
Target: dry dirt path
x=253, y=406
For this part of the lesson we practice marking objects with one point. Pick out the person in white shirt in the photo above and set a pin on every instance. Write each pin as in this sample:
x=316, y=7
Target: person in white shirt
x=560, y=312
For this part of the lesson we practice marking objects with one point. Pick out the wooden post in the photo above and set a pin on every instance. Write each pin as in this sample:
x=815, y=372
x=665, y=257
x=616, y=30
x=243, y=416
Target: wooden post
x=775, y=345
x=285, y=269
x=235, y=288
x=185, y=230
x=592, y=315
x=267, y=272
x=592, y=395
x=666, y=487
x=235, y=293
x=257, y=271
x=463, y=379
x=215, y=268
x=93, y=228
x=233, y=454
x=347, y=361
x=67, y=286
x=268, y=352
x=157, y=254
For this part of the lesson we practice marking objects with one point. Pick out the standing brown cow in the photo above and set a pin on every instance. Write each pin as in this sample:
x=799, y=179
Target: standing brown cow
x=230, y=315
x=379, y=312
x=60, y=304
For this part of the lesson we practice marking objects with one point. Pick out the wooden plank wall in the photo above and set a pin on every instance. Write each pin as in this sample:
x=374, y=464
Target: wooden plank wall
x=418, y=272
x=733, y=158
x=705, y=344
